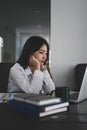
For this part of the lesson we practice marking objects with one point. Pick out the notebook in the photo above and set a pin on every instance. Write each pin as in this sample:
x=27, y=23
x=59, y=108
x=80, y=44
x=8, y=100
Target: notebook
x=36, y=99
x=77, y=97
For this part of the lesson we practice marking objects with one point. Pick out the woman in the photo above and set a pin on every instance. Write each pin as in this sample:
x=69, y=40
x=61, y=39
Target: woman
x=29, y=74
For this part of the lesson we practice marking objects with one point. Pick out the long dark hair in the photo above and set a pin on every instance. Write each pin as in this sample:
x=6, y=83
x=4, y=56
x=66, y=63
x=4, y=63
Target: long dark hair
x=32, y=44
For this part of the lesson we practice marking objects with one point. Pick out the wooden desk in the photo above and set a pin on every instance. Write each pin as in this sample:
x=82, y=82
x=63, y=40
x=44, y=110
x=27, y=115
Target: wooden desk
x=74, y=118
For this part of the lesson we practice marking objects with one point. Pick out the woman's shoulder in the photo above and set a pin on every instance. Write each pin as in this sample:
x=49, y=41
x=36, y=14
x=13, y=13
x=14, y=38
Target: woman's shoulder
x=16, y=66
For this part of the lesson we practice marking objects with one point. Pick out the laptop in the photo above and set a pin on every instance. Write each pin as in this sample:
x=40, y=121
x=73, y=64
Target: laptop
x=77, y=97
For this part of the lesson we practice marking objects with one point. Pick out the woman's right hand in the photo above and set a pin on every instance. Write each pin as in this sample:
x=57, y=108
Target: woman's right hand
x=34, y=63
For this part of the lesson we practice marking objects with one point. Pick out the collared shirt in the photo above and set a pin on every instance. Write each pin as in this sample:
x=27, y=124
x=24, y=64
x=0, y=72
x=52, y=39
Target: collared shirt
x=21, y=80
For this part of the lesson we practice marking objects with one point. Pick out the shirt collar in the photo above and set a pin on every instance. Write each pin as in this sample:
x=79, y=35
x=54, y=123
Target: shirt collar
x=28, y=71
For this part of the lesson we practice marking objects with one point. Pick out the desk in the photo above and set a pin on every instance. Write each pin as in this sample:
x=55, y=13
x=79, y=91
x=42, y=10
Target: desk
x=74, y=118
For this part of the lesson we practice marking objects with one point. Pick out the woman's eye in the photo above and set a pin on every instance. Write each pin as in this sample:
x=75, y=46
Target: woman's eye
x=41, y=52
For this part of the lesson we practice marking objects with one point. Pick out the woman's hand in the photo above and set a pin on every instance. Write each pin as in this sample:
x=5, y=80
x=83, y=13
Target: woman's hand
x=43, y=67
x=34, y=63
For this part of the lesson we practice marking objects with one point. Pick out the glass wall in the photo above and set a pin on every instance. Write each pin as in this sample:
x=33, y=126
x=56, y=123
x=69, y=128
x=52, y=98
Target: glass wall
x=20, y=20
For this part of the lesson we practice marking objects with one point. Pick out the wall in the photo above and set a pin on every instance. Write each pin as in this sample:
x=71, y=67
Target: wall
x=68, y=39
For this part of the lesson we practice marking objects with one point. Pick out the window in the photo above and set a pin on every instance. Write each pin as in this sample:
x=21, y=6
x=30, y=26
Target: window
x=18, y=21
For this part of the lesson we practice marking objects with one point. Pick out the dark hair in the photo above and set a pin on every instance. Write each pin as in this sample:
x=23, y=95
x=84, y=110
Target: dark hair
x=32, y=44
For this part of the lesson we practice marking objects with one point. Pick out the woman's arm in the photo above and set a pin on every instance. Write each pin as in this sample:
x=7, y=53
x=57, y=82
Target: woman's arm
x=49, y=84
x=20, y=79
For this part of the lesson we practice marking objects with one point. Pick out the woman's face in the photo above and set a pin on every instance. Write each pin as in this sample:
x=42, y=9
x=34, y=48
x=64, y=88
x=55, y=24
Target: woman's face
x=41, y=54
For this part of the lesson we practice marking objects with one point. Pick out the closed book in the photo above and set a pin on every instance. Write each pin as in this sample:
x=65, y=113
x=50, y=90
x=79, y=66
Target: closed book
x=55, y=111
x=38, y=108
x=34, y=110
x=24, y=107
x=55, y=106
x=22, y=96
x=42, y=100
x=37, y=99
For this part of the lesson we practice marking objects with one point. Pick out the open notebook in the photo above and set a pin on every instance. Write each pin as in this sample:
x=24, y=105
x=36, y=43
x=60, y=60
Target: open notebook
x=77, y=97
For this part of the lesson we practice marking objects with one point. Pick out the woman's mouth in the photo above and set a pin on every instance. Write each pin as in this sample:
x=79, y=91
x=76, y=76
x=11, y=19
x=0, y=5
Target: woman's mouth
x=42, y=62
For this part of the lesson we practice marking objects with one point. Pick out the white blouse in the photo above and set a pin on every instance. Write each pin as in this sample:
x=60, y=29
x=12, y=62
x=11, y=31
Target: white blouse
x=21, y=80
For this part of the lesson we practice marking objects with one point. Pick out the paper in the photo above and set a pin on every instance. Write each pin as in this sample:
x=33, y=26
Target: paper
x=4, y=97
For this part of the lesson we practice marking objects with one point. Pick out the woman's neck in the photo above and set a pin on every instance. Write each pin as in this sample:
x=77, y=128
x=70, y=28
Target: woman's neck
x=32, y=69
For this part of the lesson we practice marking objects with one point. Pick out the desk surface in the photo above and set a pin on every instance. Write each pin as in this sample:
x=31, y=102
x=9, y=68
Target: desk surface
x=75, y=117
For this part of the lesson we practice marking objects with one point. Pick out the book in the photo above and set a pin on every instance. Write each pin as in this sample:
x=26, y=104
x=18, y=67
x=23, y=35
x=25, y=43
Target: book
x=55, y=111
x=34, y=110
x=4, y=97
x=37, y=99
x=38, y=108
x=42, y=100
x=56, y=106
x=22, y=96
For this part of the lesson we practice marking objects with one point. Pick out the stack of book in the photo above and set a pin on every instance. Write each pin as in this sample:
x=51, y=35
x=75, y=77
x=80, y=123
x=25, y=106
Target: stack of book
x=38, y=105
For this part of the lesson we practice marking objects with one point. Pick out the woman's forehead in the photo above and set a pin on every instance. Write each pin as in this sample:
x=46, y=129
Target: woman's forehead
x=43, y=48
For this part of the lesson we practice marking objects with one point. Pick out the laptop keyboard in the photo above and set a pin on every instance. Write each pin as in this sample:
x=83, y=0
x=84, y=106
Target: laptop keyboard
x=74, y=96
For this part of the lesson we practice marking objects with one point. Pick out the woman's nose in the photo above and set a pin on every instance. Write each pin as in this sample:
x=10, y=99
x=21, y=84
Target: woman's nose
x=44, y=56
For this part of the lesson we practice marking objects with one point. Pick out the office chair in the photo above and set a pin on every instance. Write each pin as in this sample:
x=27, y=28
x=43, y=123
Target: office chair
x=4, y=75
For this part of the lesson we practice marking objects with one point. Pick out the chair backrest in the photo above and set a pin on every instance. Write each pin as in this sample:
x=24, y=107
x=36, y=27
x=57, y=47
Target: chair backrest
x=4, y=75
x=79, y=73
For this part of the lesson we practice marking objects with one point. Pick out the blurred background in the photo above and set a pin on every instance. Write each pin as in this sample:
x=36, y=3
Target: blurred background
x=20, y=20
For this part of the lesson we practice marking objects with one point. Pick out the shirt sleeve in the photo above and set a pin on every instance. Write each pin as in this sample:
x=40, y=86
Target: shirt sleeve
x=49, y=84
x=21, y=80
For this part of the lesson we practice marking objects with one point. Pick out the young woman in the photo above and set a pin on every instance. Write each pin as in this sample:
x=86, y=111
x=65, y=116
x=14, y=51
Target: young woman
x=29, y=74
